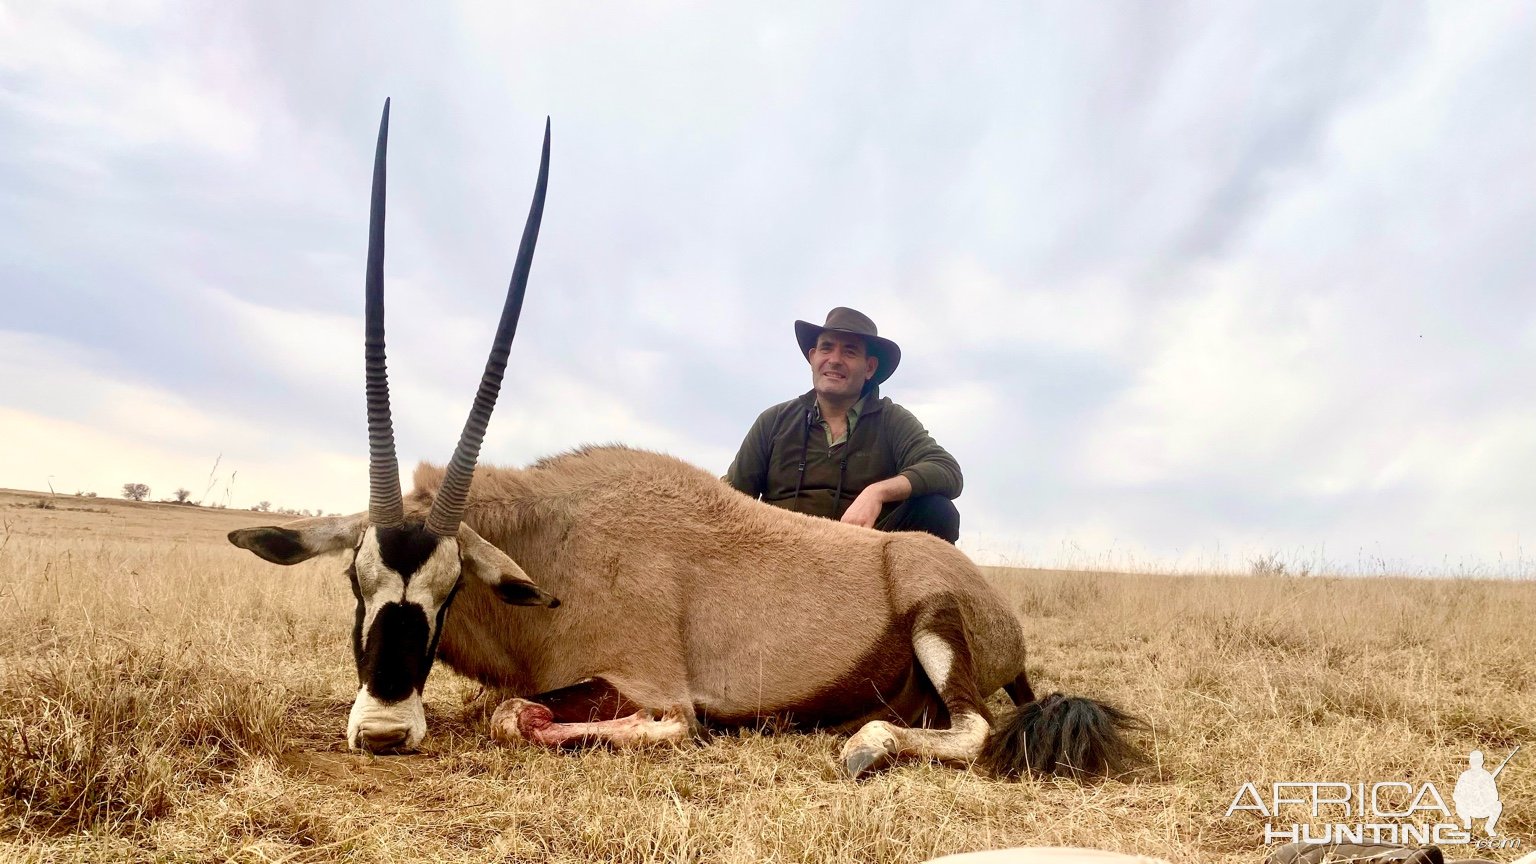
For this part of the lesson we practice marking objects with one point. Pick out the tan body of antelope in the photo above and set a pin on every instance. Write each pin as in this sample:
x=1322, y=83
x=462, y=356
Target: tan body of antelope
x=682, y=604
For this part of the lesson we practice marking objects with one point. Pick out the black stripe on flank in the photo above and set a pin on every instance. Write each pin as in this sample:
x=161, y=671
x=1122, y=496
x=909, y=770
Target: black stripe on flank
x=884, y=683
x=405, y=548
x=395, y=657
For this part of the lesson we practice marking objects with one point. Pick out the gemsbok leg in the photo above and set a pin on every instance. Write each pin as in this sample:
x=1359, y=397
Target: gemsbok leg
x=593, y=711
x=942, y=648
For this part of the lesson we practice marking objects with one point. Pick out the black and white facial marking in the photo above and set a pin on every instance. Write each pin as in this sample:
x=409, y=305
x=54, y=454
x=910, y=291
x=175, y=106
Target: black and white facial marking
x=404, y=579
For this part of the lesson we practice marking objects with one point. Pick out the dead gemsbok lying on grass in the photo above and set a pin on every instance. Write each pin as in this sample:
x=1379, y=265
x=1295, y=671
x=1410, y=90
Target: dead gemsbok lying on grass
x=683, y=604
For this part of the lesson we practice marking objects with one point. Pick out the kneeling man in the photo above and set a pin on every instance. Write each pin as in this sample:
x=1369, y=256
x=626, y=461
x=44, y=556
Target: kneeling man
x=842, y=451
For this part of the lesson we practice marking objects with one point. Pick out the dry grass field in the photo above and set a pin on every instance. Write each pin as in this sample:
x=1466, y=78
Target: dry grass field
x=167, y=697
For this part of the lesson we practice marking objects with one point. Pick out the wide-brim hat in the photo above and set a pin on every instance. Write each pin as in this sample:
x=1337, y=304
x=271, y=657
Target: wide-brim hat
x=845, y=320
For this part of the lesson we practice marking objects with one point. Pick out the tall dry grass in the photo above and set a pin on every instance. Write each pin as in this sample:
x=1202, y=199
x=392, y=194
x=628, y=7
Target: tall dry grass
x=164, y=696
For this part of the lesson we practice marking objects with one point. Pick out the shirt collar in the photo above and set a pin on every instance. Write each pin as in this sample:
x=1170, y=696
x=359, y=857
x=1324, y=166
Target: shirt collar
x=853, y=412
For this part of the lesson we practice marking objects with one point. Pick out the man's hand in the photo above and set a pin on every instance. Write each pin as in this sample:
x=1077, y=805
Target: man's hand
x=865, y=509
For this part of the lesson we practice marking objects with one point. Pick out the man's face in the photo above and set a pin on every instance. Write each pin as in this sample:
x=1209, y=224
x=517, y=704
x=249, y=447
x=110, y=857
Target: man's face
x=840, y=364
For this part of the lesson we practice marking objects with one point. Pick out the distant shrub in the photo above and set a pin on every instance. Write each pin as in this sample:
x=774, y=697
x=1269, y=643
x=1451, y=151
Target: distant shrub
x=135, y=491
x=1271, y=566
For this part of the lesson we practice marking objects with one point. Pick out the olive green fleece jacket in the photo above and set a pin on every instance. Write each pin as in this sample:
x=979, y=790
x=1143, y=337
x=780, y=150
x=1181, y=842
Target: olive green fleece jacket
x=886, y=441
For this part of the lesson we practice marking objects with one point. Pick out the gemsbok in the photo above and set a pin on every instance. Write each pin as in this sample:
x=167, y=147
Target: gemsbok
x=682, y=605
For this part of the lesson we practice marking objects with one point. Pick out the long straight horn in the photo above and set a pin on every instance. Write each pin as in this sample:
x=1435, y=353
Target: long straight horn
x=448, y=506
x=385, y=507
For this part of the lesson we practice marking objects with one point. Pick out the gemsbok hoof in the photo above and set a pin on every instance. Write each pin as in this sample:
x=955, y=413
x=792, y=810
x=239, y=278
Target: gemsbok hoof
x=865, y=760
x=870, y=749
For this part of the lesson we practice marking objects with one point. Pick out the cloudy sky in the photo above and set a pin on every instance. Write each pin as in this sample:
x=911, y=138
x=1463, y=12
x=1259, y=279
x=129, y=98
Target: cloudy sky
x=1175, y=282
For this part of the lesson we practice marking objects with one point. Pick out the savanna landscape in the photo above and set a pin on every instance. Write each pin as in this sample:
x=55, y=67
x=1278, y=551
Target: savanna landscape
x=165, y=696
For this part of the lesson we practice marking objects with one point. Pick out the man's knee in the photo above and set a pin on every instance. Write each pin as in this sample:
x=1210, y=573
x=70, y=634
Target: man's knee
x=941, y=517
x=932, y=513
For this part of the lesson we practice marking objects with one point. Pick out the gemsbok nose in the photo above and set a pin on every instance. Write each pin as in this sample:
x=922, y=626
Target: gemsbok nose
x=383, y=738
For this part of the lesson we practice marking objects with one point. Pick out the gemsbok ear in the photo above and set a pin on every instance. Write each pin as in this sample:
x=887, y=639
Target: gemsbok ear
x=302, y=540
x=497, y=569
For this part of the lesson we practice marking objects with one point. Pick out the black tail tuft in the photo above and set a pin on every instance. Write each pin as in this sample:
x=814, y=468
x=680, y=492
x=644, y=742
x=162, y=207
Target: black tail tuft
x=1063, y=736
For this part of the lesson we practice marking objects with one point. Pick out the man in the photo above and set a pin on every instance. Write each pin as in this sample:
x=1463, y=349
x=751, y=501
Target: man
x=842, y=451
